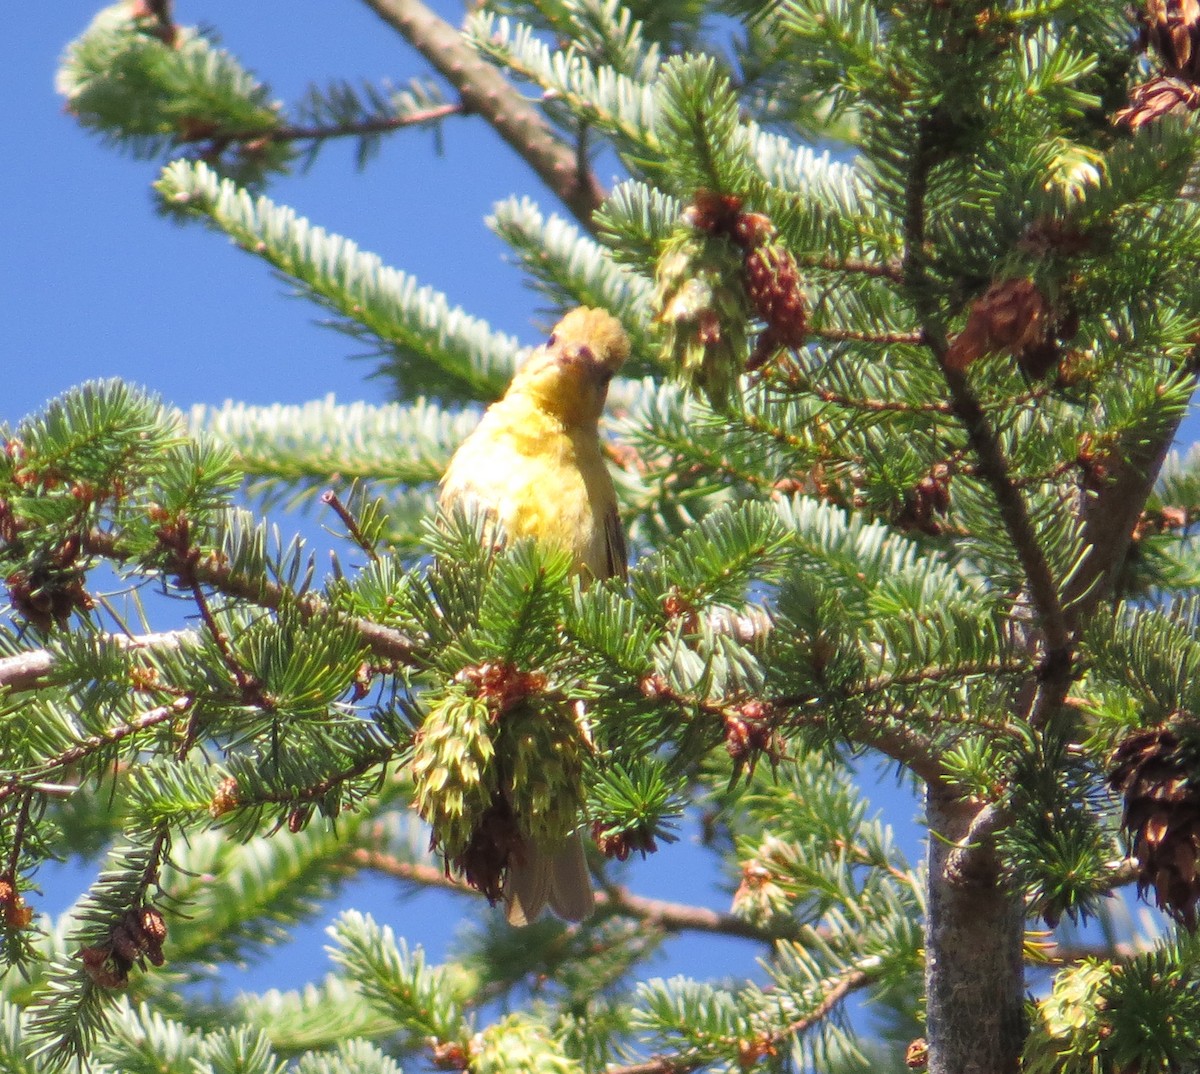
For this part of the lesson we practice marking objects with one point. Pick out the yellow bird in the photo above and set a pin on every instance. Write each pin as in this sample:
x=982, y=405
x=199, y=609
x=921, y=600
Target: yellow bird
x=536, y=465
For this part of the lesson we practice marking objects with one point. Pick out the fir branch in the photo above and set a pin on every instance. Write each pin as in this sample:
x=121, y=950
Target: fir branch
x=878, y=406
x=416, y=326
x=486, y=92
x=936, y=674
x=182, y=556
x=906, y=746
x=765, y=1044
x=430, y=876
x=888, y=270
x=303, y=447
x=993, y=466
x=850, y=983
x=95, y=743
x=18, y=839
x=382, y=641
x=331, y=498
x=314, y=792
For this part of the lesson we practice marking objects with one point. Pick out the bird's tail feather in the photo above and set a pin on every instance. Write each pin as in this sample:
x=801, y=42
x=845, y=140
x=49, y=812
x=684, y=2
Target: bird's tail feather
x=536, y=878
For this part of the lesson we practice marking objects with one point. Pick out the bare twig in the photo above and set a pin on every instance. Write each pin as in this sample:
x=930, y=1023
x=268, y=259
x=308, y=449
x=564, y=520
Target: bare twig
x=350, y=522
x=676, y=917
x=357, y=129
x=486, y=92
x=839, y=335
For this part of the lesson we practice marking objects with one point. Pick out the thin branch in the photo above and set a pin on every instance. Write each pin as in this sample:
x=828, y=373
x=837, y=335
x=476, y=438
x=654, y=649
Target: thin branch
x=660, y=1064
x=14, y=782
x=898, y=741
x=907, y=747
x=412, y=872
x=18, y=839
x=350, y=522
x=888, y=270
x=486, y=92
x=992, y=464
x=852, y=982
x=27, y=671
x=992, y=467
x=1117, y=951
x=677, y=917
x=1121, y=873
x=671, y=917
x=313, y=791
x=840, y=335
x=1110, y=515
x=877, y=406
x=937, y=674
x=357, y=129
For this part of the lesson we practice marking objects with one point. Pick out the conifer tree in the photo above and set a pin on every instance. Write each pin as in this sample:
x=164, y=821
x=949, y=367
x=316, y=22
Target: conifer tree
x=893, y=448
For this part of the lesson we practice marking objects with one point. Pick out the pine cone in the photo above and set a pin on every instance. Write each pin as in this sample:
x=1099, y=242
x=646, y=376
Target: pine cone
x=488, y=855
x=927, y=503
x=1173, y=29
x=1153, y=769
x=1160, y=96
x=16, y=913
x=1012, y=316
x=773, y=286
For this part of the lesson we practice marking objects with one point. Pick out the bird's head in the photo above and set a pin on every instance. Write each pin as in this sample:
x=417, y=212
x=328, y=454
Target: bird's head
x=568, y=376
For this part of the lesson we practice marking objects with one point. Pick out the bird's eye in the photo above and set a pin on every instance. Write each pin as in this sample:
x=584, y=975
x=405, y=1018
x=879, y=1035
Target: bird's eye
x=552, y=340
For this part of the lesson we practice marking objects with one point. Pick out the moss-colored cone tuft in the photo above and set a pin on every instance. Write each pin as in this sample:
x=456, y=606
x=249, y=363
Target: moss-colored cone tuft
x=542, y=750
x=453, y=771
x=700, y=301
x=518, y=1045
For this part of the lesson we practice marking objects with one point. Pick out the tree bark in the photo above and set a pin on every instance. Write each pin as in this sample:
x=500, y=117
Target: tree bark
x=974, y=973
x=486, y=92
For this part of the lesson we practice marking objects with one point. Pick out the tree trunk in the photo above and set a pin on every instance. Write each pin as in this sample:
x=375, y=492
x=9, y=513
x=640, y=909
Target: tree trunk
x=974, y=974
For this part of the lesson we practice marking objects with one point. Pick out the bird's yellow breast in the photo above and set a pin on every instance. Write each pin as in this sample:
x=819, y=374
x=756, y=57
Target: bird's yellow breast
x=538, y=477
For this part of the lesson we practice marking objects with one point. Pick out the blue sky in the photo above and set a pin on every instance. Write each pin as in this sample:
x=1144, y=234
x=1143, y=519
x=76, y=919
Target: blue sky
x=96, y=285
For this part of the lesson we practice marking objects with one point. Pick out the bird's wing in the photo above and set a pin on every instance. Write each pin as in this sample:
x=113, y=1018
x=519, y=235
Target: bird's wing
x=570, y=883
x=527, y=885
x=616, y=557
